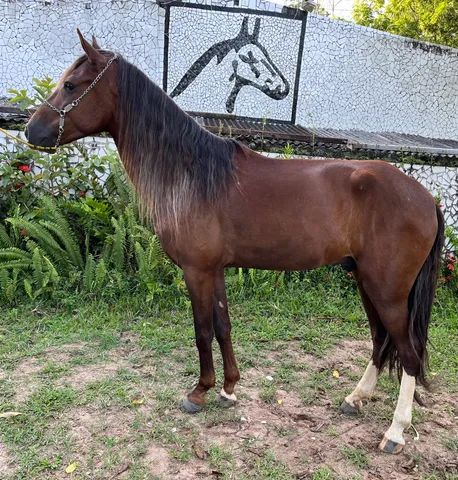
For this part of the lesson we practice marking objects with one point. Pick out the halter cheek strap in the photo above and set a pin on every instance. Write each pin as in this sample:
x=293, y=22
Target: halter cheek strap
x=62, y=112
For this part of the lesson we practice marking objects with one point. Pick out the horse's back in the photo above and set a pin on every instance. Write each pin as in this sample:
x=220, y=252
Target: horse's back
x=296, y=213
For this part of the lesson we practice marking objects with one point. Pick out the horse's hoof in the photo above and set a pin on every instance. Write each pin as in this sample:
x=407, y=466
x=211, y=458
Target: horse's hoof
x=388, y=446
x=226, y=402
x=348, y=409
x=190, y=407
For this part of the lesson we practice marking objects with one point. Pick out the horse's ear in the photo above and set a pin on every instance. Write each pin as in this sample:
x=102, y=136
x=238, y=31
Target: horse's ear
x=94, y=43
x=92, y=54
x=244, y=28
x=257, y=26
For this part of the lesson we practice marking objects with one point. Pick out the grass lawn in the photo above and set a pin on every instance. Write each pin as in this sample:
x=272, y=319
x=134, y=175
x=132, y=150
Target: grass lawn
x=98, y=384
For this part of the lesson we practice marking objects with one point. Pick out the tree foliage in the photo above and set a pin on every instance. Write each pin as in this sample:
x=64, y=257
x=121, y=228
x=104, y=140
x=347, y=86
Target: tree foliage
x=429, y=20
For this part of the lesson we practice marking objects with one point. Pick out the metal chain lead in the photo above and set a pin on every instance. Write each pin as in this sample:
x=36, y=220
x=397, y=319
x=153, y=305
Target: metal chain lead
x=62, y=112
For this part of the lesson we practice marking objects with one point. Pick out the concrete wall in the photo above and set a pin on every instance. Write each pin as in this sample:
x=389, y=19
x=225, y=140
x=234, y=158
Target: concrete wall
x=38, y=38
x=359, y=78
x=348, y=77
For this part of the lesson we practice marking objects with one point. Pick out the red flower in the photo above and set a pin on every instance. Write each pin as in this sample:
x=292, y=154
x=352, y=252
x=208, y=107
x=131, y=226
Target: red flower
x=451, y=267
x=82, y=194
x=24, y=168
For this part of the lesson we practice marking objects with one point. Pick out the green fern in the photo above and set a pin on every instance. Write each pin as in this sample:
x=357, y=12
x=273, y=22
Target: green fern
x=37, y=269
x=5, y=240
x=9, y=285
x=101, y=273
x=143, y=265
x=52, y=273
x=28, y=288
x=119, y=185
x=61, y=228
x=66, y=238
x=89, y=272
x=16, y=264
x=53, y=236
x=118, y=243
x=44, y=238
x=13, y=253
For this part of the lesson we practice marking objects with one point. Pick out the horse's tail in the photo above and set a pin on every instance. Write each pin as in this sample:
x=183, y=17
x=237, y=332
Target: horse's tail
x=421, y=300
x=420, y=304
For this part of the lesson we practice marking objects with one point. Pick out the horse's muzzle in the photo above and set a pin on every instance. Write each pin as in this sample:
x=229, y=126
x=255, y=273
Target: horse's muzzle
x=40, y=135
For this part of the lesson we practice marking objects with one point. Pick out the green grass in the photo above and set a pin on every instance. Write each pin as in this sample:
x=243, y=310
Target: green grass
x=160, y=363
x=268, y=467
x=451, y=443
x=356, y=456
x=220, y=458
x=323, y=473
x=268, y=391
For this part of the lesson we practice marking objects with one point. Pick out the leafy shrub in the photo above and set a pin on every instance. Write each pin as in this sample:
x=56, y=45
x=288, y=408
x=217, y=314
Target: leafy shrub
x=26, y=176
x=449, y=274
x=42, y=89
x=68, y=222
x=40, y=252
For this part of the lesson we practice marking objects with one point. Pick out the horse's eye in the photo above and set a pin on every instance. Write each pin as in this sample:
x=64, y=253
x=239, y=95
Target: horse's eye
x=69, y=86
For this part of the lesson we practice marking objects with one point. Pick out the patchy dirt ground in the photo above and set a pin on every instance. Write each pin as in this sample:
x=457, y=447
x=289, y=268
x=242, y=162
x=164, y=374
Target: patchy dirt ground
x=121, y=419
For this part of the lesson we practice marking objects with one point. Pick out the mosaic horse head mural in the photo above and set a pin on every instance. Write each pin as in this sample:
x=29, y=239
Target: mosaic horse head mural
x=251, y=66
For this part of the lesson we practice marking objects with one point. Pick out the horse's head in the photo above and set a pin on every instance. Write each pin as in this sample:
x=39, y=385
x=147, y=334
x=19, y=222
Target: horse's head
x=82, y=103
x=254, y=67
x=251, y=66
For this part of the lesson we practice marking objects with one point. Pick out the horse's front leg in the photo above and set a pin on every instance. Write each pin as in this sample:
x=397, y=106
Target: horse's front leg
x=222, y=327
x=201, y=286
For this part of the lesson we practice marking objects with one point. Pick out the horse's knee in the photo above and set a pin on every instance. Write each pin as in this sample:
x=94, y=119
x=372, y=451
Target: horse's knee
x=204, y=340
x=223, y=333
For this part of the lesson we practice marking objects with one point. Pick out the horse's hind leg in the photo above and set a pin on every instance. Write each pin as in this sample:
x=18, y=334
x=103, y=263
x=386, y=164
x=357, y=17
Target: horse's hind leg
x=365, y=388
x=353, y=403
x=395, y=319
x=222, y=327
x=393, y=440
x=391, y=304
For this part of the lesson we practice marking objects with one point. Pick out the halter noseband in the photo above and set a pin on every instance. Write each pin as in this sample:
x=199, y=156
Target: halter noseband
x=62, y=112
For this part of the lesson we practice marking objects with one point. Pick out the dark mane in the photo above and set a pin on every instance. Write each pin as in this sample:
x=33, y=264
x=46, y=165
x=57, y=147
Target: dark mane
x=174, y=163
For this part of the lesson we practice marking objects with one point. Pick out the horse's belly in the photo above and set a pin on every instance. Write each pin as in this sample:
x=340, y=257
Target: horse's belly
x=289, y=254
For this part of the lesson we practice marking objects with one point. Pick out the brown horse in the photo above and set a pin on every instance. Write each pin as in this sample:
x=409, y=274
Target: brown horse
x=216, y=203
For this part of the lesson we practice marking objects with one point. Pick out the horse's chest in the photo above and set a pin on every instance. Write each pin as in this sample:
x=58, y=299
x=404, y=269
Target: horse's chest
x=202, y=247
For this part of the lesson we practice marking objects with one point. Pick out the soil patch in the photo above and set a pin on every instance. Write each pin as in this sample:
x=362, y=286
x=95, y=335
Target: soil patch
x=83, y=375
x=6, y=463
x=25, y=378
x=301, y=435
